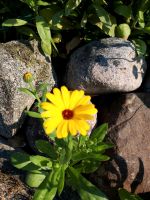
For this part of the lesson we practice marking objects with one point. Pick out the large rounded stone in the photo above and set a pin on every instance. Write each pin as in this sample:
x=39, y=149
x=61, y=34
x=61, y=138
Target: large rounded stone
x=108, y=65
x=128, y=117
x=16, y=58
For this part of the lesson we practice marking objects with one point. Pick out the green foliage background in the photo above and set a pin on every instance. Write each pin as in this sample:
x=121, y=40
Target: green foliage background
x=55, y=22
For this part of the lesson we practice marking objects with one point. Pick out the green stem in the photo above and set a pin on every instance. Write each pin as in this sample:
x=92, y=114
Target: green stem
x=34, y=91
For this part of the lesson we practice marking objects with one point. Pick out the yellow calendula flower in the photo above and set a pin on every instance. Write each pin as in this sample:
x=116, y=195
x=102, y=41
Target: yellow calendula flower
x=67, y=112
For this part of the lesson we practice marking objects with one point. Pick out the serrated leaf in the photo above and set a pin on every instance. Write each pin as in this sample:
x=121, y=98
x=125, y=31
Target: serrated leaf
x=85, y=188
x=27, y=91
x=46, y=148
x=33, y=114
x=99, y=133
x=34, y=179
x=140, y=46
x=71, y=5
x=14, y=22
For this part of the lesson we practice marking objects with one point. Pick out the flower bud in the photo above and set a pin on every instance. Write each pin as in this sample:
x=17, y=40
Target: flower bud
x=27, y=77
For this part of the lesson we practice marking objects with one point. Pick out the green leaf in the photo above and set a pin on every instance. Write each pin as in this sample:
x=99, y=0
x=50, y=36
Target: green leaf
x=61, y=181
x=125, y=195
x=30, y=3
x=140, y=46
x=41, y=161
x=101, y=147
x=140, y=17
x=85, y=189
x=48, y=188
x=46, y=148
x=34, y=179
x=147, y=29
x=33, y=114
x=95, y=156
x=44, y=33
x=27, y=91
x=99, y=133
x=27, y=31
x=42, y=3
x=14, y=22
x=123, y=31
x=123, y=10
x=22, y=161
x=71, y=5
x=47, y=48
x=67, y=151
x=43, y=29
x=102, y=14
x=87, y=166
x=84, y=20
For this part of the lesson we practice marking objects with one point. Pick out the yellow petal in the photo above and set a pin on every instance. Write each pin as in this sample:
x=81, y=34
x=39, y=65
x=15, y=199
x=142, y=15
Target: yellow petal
x=84, y=100
x=50, y=125
x=59, y=131
x=65, y=96
x=55, y=100
x=65, y=129
x=86, y=109
x=75, y=97
x=85, y=125
x=48, y=106
x=72, y=127
x=58, y=95
x=81, y=130
x=83, y=117
x=46, y=114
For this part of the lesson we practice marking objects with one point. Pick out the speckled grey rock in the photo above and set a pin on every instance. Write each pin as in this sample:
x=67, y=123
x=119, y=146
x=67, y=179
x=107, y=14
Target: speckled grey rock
x=16, y=58
x=11, y=186
x=108, y=65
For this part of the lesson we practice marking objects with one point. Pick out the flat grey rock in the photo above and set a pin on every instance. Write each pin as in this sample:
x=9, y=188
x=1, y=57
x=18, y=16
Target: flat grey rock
x=105, y=66
x=17, y=58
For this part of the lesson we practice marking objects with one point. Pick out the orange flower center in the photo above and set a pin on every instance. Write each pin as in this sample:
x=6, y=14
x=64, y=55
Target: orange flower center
x=67, y=114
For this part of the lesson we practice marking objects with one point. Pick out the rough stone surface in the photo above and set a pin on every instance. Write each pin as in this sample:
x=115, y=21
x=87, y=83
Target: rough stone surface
x=16, y=58
x=108, y=65
x=128, y=117
x=146, y=82
x=11, y=186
